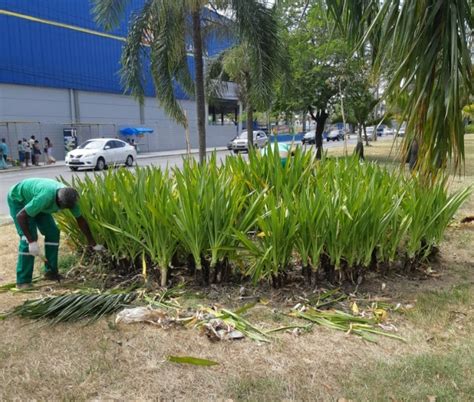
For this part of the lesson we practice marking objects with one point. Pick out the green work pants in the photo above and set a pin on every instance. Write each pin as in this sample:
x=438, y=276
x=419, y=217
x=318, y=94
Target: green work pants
x=47, y=226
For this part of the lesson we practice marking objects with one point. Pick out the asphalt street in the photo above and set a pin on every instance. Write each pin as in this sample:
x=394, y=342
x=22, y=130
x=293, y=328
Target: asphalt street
x=8, y=179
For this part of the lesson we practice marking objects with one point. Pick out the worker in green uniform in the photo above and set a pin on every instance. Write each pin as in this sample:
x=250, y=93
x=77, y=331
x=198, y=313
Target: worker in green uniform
x=31, y=203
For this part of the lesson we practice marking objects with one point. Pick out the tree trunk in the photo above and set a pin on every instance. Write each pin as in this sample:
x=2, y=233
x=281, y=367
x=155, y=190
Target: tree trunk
x=359, y=149
x=199, y=84
x=365, y=135
x=304, y=121
x=413, y=155
x=320, y=119
x=250, y=125
x=248, y=89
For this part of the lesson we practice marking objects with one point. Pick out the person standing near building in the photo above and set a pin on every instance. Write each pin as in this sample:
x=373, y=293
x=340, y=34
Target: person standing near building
x=21, y=153
x=3, y=154
x=48, y=151
x=26, y=146
x=36, y=152
x=3, y=159
x=5, y=150
x=31, y=143
x=32, y=203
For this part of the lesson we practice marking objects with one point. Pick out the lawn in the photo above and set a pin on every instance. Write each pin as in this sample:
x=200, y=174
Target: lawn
x=107, y=361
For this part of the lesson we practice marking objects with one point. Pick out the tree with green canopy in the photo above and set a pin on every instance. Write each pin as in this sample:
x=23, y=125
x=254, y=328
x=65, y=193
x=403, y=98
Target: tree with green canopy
x=237, y=65
x=167, y=27
x=319, y=61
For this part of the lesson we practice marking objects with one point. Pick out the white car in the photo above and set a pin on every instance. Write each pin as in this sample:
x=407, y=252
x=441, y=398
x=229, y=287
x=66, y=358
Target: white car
x=370, y=133
x=401, y=130
x=388, y=131
x=241, y=143
x=98, y=153
x=335, y=135
x=309, y=137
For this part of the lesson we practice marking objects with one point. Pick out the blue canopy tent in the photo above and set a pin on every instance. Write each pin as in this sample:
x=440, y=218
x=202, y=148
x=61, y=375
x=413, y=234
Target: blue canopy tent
x=135, y=131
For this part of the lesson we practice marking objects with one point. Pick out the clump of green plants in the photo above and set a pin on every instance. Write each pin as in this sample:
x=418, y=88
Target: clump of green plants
x=261, y=219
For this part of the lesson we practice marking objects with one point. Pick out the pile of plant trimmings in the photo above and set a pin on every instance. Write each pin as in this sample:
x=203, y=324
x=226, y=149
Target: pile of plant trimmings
x=262, y=220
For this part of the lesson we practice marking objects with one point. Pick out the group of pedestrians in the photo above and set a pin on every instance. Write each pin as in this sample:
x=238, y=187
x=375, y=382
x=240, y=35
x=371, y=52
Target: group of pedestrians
x=29, y=152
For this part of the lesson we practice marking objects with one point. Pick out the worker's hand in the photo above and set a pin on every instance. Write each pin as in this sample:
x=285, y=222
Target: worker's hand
x=98, y=248
x=33, y=249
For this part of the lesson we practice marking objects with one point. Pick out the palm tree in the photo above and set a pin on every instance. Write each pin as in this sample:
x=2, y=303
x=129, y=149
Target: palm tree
x=237, y=65
x=426, y=44
x=159, y=32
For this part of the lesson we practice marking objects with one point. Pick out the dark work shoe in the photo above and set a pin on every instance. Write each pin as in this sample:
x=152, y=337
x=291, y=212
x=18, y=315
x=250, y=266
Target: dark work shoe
x=23, y=286
x=53, y=276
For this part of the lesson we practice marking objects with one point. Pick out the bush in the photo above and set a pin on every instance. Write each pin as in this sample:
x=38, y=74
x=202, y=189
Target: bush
x=338, y=215
x=469, y=129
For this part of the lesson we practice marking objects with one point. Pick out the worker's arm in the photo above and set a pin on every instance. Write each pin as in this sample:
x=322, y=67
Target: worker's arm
x=22, y=218
x=84, y=226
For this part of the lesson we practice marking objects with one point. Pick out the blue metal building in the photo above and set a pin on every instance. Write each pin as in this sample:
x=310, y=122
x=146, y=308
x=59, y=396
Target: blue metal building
x=59, y=69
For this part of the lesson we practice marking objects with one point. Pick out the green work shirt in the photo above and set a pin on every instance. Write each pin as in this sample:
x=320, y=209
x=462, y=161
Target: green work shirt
x=39, y=196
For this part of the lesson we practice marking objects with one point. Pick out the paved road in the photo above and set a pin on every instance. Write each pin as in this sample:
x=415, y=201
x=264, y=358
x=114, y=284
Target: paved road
x=8, y=179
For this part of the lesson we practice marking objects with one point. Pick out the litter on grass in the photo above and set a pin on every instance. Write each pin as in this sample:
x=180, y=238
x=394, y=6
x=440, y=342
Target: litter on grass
x=196, y=361
x=144, y=314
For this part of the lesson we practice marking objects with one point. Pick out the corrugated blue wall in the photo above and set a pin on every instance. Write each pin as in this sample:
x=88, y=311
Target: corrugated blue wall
x=33, y=53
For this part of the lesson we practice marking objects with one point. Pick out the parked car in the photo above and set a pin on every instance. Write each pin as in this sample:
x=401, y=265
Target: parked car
x=401, y=131
x=241, y=143
x=99, y=153
x=388, y=131
x=309, y=137
x=370, y=132
x=335, y=135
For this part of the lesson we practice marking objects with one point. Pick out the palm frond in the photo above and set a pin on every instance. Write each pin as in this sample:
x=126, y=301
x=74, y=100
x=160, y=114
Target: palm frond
x=258, y=26
x=216, y=78
x=134, y=52
x=168, y=57
x=427, y=43
x=108, y=13
x=73, y=307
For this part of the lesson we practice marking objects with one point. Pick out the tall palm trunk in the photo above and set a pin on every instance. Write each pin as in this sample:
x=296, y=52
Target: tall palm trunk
x=199, y=84
x=250, y=125
x=249, y=111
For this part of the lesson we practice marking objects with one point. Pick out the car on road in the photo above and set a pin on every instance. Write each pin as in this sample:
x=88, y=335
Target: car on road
x=401, y=130
x=99, y=153
x=335, y=135
x=381, y=131
x=241, y=143
x=388, y=131
x=309, y=137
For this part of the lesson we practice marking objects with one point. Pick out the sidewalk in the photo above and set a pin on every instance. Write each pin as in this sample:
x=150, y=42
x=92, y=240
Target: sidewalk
x=146, y=155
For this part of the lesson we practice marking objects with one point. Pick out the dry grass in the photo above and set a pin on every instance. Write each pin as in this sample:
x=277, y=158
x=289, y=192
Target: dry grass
x=103, y=361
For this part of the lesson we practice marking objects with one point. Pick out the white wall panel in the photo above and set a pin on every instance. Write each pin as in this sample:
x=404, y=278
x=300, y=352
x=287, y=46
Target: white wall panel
x=25, y=103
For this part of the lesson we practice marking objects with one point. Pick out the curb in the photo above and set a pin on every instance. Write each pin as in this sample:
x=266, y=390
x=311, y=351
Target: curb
x=181, y=152
x=147, y=155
